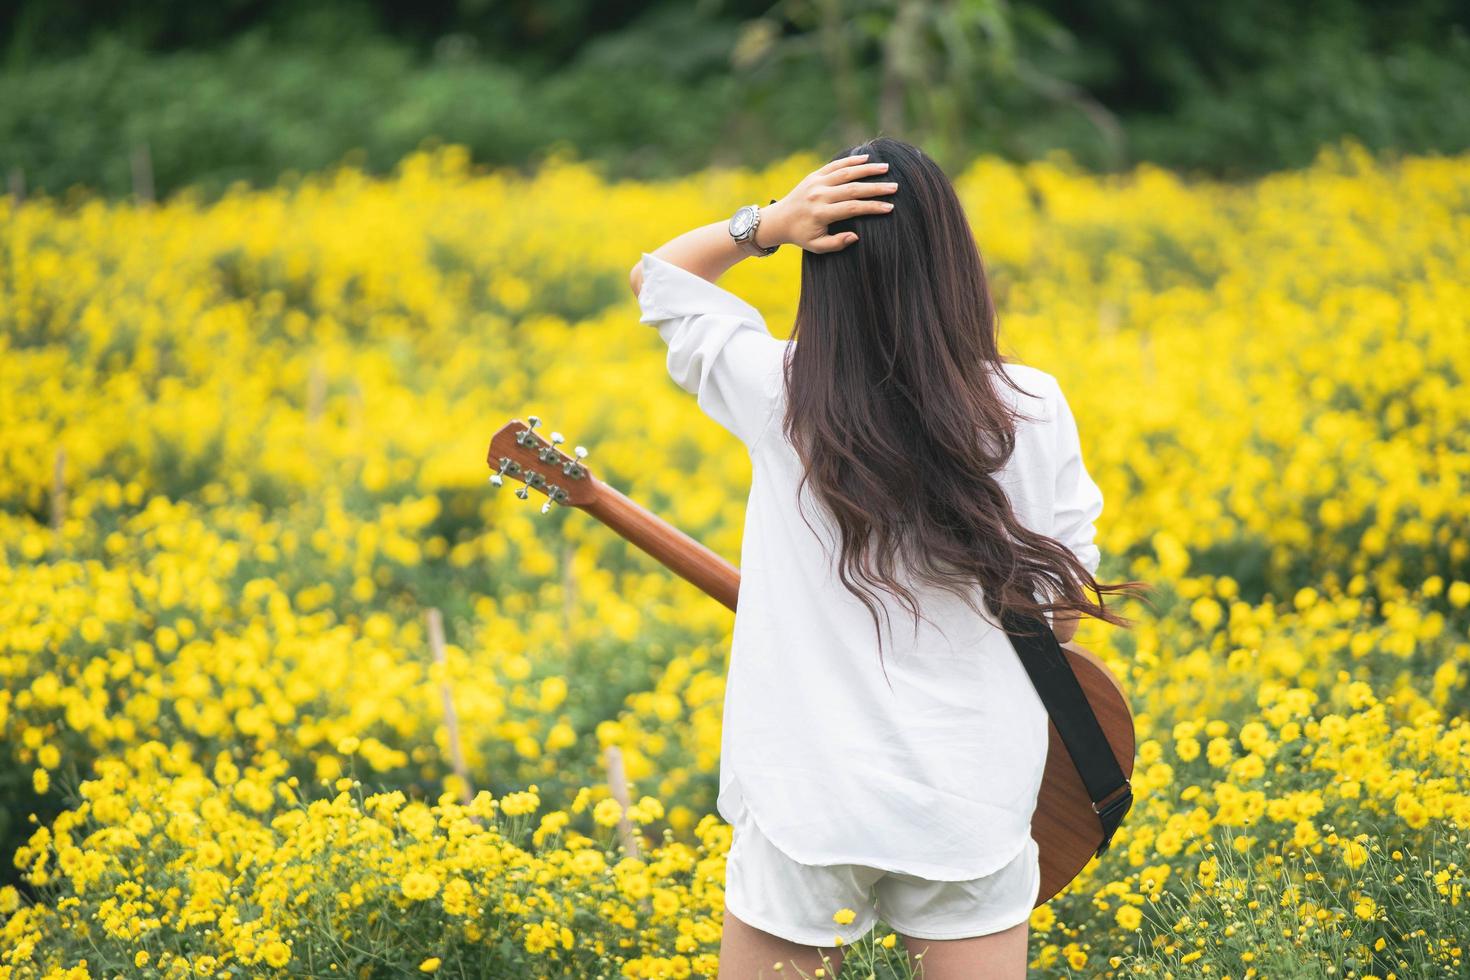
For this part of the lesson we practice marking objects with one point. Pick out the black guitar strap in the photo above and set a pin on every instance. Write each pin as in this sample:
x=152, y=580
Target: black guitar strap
x=1077, y=724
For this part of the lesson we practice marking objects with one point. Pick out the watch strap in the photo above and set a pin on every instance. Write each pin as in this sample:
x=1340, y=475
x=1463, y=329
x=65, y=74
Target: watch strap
x=749, y=245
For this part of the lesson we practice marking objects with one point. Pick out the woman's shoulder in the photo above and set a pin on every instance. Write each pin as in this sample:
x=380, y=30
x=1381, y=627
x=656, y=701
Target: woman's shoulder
x=1039, y=390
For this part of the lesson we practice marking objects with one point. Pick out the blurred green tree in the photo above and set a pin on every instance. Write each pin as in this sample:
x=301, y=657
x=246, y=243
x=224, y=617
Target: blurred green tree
x=939, y=71
x=107, y=94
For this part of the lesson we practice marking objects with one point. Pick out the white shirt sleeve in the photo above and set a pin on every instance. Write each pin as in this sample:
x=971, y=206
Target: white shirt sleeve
x=1079, y=501
x=719, y=348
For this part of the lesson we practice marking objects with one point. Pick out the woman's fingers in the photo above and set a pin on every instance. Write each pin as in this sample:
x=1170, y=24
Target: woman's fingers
x=831, y=243
x=852, y=173
x=841, y=162
x=858, y=188
x=828, y=213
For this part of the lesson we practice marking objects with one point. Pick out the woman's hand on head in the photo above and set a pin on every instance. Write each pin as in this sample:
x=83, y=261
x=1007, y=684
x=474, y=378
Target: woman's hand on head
x=825, y=196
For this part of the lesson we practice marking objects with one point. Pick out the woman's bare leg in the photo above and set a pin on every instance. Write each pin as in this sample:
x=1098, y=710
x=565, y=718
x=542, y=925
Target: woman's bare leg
x=998, y=956
x=748, y=953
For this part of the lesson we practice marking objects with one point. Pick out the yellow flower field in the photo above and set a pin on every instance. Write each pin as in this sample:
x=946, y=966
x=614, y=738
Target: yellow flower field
x=242, y=454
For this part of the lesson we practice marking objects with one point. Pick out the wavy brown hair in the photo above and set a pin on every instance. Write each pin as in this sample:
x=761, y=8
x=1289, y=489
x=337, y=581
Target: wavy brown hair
x=894, y=411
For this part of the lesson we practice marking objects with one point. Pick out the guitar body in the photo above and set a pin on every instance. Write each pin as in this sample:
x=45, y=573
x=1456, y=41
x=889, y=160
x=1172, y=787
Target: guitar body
x=1065, y=825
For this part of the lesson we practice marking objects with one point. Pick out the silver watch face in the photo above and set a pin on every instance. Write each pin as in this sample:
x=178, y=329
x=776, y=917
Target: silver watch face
x=740, y=224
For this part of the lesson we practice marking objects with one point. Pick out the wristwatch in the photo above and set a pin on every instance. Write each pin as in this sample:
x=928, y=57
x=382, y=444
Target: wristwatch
x=743, y=226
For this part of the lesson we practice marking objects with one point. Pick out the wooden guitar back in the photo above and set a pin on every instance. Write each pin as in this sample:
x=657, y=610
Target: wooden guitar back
x=1065, y=826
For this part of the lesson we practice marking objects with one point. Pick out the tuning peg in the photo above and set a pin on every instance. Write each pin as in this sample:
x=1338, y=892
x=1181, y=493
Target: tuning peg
x=557, y=439
x=532, y=421
x=495, y=478
x=554, y=495
x=522, y=492
x=573, y=468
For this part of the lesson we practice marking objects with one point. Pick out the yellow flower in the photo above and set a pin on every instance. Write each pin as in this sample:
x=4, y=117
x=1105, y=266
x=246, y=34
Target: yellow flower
x=276, y=953
x=1354, y=853
x=646, y=810
x=607, y=812
x=429, y=965
x=843, y=916
x=419, y=885
x=519, y=804
x=588, y=862
x=1129, y=917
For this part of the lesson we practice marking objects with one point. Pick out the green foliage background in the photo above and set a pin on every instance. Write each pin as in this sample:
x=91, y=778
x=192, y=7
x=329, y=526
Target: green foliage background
x=209, y=94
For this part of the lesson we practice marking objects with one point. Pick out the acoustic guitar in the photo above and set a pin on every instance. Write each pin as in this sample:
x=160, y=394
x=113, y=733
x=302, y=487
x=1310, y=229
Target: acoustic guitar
x=1066, y=823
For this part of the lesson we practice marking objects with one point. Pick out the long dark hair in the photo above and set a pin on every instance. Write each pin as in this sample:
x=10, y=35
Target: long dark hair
x=893, y=411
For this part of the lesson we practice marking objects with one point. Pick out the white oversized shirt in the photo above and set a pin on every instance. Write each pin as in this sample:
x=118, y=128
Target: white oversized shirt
x=935, y=776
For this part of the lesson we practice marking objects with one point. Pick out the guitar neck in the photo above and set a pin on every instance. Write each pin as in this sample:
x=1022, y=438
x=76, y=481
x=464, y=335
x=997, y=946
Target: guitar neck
x=682, y=554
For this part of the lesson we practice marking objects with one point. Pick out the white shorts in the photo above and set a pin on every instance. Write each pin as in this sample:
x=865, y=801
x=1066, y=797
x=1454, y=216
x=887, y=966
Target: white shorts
x=768, y=890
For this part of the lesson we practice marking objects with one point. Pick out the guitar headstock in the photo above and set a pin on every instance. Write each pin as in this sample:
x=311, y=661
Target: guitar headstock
x=518, y=452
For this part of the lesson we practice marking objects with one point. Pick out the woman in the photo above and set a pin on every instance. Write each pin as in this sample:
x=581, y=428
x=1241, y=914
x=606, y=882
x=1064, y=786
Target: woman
x=901, y=469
